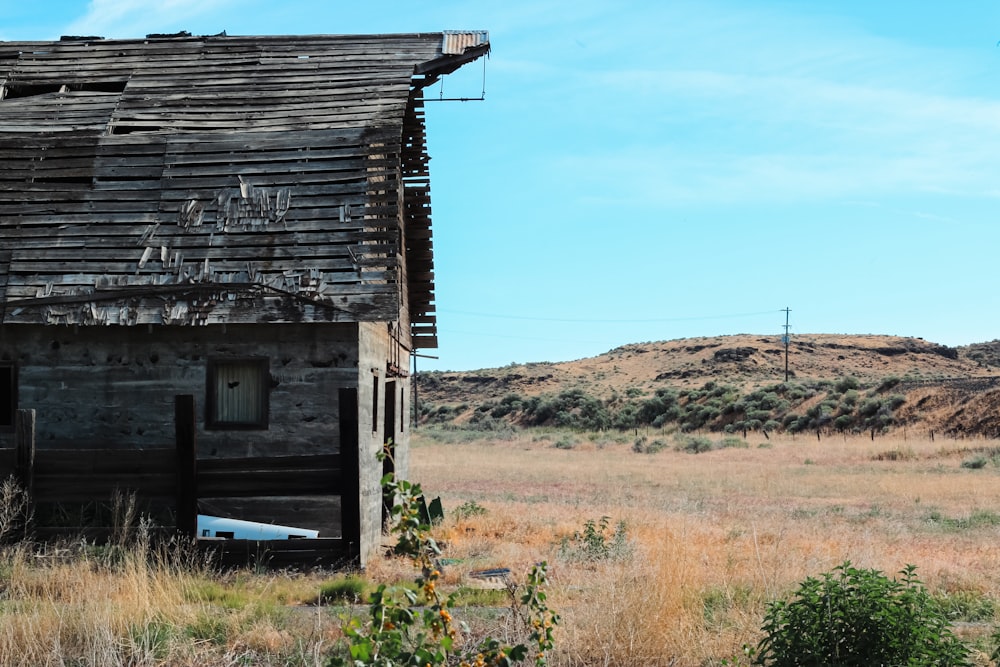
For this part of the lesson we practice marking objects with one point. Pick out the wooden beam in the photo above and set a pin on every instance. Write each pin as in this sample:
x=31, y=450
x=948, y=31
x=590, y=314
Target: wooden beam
x=185, y=428
x=24, y=443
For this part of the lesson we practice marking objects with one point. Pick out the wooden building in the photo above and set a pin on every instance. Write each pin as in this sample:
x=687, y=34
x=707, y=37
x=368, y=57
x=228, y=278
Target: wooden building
x=241, y=219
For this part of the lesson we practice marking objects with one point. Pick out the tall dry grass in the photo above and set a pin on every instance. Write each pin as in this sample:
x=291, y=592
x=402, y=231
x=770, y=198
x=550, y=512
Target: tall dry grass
x=131, y=604
x=718, y=534
x=711, y=538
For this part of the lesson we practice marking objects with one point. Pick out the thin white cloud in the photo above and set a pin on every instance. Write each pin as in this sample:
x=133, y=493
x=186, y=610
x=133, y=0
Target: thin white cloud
x=745, y=109
x=136, y=18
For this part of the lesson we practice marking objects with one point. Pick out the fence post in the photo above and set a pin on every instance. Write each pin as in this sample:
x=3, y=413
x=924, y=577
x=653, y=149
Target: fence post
x=187, y=465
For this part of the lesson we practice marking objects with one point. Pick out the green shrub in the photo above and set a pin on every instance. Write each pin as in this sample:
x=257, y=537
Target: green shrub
x=888, y=383
x=845, y=384
x=412, y=625
x=468, y=509
x=843, y=422
x=975, y=462
x=693, y=444
x=850, y=398
x=853, y=617
x=731, y=442
x=597, y=542
x=642, y=445
x=565, y=442
x=656, y=446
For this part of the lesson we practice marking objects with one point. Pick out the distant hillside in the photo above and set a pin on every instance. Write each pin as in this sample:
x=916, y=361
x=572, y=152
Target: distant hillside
x=736, y=383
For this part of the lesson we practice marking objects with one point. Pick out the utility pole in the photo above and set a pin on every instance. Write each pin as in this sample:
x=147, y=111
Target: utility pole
x=785, y=339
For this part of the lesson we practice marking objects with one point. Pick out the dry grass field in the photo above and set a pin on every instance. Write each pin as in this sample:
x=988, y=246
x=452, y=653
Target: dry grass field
x=713, y=536
x=680, y=573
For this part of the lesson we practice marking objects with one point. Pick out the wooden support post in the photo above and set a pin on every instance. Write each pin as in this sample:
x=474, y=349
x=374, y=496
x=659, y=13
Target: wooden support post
x=24, y=465
x=24, y=442
x=350, y=485
x=187, y=465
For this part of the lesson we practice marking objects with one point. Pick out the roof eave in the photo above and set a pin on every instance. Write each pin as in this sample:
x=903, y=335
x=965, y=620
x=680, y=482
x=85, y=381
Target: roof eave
x=447, y=64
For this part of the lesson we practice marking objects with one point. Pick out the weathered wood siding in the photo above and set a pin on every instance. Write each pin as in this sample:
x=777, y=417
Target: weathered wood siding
x=115, y=386
x=170, y=203
x=213, y=180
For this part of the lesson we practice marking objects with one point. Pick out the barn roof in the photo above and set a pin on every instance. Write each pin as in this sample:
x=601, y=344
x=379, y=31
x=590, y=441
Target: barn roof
x=191, y=180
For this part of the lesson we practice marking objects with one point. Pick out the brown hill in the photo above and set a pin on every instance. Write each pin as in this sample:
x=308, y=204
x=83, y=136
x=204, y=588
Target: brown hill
x=940, y=388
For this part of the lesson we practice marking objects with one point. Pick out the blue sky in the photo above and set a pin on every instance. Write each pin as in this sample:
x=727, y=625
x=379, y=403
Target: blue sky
x=648, y=171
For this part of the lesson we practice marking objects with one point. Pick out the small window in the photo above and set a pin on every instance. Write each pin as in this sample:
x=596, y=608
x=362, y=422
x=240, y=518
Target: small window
x=8, y=395
x=237, y=394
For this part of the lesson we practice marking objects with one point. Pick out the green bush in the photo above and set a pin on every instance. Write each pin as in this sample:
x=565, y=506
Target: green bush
x=693, y=444
x=656, y=446
x=597, y=542
x=565, y=442
x=845, y=384
x=854, y=617
x=975, y=462
x=412, y=625
x=888, y=383
x=642, y=445
x=468, y=509
x=843, y=422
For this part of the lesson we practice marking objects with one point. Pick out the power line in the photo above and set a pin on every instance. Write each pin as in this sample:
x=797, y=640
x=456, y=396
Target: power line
x=611, y=321
x=561, y=339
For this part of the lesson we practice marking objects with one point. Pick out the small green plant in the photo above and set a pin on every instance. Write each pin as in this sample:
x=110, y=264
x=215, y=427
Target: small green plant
x=150, y=640
x=859, y=617
x=967, y=606
x=597, y=542
x=978, y=518
x=412, y=626
x=468, y=509
x=346, y=589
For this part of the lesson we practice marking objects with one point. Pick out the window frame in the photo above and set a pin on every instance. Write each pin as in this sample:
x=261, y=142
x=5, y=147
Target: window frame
x=212, y=420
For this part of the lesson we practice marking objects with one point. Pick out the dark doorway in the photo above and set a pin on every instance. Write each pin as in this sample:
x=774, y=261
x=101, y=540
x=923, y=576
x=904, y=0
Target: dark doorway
x=389, y=439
